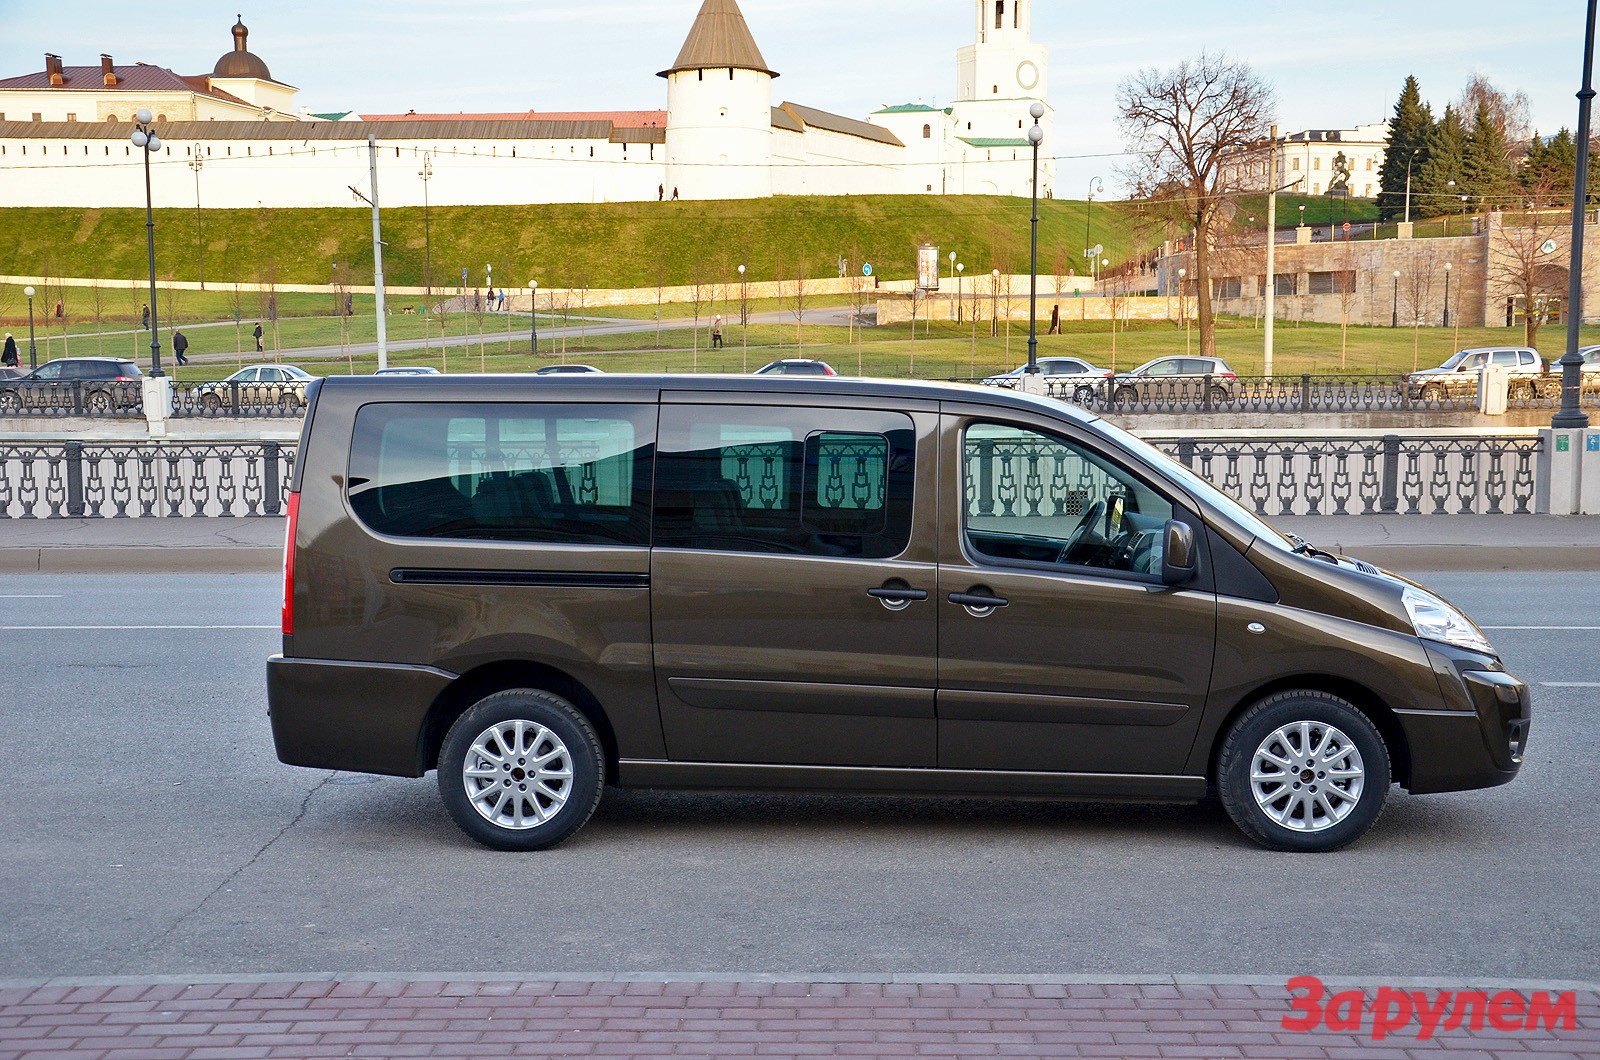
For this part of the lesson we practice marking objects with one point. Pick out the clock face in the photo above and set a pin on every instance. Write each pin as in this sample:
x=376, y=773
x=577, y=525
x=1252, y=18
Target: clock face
x=1027, y=75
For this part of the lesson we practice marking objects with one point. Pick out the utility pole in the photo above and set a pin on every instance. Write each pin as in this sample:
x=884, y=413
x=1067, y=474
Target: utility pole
x=1272, y=247
x=197, y=163
x=1570, y=415
x=377, y=250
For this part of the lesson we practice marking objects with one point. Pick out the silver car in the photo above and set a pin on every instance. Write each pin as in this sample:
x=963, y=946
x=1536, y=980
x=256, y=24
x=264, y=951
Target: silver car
x=1457, y=378
x=1064, y=377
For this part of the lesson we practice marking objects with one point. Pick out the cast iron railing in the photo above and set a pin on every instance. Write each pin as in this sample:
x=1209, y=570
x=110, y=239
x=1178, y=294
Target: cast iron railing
x=124, y=480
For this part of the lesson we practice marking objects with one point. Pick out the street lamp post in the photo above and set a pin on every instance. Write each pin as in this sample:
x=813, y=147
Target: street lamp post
x=1570, y=414
x=144, y=137
x=744, y=317
x=1452, y=186
x=1095, y=185
x=533, y=313
x=33, y=351
x=1035, y=137
x=1464, y=215
x=1446, y=294
x=961, y=270
x=1394, y=317
x=1183, y=306
x=197, y=163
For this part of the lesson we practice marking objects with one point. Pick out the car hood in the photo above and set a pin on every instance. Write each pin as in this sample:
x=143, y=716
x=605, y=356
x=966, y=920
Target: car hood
x=1431, y=373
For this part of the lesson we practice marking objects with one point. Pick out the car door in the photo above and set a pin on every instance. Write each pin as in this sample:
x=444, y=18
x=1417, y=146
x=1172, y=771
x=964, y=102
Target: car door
x=1060, y=649
x=791, y=581
x=40, y=389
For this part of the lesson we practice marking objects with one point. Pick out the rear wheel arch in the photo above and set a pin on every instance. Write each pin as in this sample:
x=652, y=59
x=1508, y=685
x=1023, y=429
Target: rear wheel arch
x=1356, y=694
x=474, y=685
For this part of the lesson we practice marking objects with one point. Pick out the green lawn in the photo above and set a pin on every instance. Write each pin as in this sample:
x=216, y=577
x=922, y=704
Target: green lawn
x=564, y=245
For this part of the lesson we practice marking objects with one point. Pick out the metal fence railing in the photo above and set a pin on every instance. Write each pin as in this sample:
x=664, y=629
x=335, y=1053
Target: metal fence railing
x=1303, y=393
x=1368, y=474
x=157, y=479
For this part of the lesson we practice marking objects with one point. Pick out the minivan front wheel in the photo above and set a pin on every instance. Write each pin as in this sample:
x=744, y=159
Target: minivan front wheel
x=1303, y=770
x=521, y=770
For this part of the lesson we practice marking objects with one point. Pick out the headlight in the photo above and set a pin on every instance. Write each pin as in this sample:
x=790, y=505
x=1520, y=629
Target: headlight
x=1436, y=620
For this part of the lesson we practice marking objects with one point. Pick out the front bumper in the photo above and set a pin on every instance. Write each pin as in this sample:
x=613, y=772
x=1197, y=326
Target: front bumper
x=1480, y=744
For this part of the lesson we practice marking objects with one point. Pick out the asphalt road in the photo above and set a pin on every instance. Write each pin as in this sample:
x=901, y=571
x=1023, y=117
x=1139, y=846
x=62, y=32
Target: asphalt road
x=149, y=829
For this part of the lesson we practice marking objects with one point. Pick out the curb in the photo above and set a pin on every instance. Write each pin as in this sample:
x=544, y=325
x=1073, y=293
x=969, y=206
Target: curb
x=145, y=559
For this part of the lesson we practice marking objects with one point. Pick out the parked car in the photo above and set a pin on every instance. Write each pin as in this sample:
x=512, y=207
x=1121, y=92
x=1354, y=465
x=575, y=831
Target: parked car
x=796, y=366
x=256, y=386
x=8, y=372
x=1589, y=374
x=93, y=384
x=1064, y=376
x=542, y=588
x=1457, y=378
x=569, y=369
x=410, y=369
x=1183, y=379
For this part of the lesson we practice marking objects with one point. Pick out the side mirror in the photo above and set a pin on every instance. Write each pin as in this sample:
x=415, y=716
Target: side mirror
x=1179, y=559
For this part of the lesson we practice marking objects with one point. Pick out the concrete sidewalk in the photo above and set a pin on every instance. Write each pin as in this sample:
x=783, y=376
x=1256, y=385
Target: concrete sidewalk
x=1414, y=543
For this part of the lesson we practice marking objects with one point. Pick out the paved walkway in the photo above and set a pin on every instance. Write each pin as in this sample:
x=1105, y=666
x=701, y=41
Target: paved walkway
x=734, y=1016
x=1416, y=543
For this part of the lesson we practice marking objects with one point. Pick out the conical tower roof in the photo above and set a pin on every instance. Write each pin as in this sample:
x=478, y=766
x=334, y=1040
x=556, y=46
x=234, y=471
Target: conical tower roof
x=719, y=37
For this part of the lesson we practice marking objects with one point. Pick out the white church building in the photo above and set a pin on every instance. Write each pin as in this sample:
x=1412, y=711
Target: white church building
x=233, y=139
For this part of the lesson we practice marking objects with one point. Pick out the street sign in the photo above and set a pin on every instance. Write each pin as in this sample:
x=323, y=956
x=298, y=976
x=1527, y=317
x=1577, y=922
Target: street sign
x=1347, y=226
x=1591, y=442
x=866, y=268
x=1548, y=247
x=1563, y=444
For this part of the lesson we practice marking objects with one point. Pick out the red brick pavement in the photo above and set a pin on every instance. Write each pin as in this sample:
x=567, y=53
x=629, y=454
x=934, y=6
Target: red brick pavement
x=624, y=1018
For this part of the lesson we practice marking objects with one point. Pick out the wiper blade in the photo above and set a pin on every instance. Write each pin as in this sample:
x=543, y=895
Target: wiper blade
x=1302, y=547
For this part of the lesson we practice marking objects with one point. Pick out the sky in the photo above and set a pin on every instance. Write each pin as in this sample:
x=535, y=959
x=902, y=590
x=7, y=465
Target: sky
x=1332, y=66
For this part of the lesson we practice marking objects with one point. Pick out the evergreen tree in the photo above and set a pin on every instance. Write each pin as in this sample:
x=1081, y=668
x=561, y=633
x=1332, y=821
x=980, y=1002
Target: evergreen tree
x=1552, y=168
x=1432, y=190
x=1489, y=176
x=1406, y=148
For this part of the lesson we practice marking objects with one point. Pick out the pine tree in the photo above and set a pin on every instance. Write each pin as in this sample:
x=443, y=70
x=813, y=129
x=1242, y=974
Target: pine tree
x=1406, y=148
x=1488, y=176
x=1552, y=168
x=1437, y=188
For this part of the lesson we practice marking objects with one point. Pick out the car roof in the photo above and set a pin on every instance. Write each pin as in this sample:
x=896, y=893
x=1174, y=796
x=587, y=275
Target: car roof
x=835, y=388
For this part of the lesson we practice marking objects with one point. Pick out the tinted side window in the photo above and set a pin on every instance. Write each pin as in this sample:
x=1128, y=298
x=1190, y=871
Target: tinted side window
x=49, y=371
x=571, y=473
x=823, y=482
x=1037, y=498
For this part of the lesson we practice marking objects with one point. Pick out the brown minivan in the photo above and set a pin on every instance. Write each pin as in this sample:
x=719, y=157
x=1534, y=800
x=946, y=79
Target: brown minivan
x=543, y=586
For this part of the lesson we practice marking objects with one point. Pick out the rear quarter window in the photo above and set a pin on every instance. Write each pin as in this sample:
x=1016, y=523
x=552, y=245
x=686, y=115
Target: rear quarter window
x=559, y=473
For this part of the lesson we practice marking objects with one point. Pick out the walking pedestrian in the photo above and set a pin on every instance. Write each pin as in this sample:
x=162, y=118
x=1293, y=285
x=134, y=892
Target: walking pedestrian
x=58, y=309
x=144, y=318
x=502, y=299
x=180, y=345
x=349, y=305
x=674, y=194
x=716, y=333
x=9, y=358
x=258, y=333
x=661, y=192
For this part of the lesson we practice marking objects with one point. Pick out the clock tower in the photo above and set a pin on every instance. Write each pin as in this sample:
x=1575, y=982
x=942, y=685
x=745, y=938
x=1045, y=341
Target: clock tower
x=999, y=76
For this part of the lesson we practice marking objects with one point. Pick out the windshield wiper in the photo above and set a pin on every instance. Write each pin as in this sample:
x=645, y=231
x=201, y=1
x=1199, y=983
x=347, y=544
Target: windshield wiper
x=1302, y=547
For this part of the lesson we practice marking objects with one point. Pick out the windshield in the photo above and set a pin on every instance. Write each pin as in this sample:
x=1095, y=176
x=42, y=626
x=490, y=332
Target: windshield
x=1241, y=515
x=296, y=373
x=1455, y=359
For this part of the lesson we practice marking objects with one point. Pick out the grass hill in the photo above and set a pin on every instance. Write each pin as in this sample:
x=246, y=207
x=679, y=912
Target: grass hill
x=576, y=245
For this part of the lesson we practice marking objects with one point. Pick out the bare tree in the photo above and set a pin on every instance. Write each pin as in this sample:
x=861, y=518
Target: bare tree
x=1417, y=294
x=1508, y=112
x=661, y=285
x=798, y=295
x=1529, y=258
x=1345, y=287
x=700, y=293
x=236, y=306
x=1181, y=126
x=97, y=308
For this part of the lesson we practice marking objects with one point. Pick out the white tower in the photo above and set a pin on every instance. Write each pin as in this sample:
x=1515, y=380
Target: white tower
x=719, y=110
x=998, y=78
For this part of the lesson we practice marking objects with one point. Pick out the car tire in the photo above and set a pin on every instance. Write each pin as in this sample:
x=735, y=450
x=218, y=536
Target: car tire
x=98, y=401
x=1433, y=392
x=1220, y=395
x=1335, y=787
x=210, y=403
x=10, y=403
x=1520, y=392
x=1125, y=395
x=288, y=403
x=1083, y=395
x=518, y=812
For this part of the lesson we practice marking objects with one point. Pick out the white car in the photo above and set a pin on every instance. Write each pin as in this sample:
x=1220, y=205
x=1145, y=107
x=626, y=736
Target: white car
x=1064, y=377
x=255, y=386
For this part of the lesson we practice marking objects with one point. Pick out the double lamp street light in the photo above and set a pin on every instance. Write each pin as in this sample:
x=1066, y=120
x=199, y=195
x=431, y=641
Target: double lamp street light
x=145, y=138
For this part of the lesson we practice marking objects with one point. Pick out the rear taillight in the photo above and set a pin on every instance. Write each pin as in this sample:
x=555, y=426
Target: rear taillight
x=288, y=565
x=1229, y=375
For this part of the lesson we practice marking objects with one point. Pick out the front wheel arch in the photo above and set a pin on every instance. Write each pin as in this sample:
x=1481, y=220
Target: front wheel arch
x=1358, y=695
x=475, y=685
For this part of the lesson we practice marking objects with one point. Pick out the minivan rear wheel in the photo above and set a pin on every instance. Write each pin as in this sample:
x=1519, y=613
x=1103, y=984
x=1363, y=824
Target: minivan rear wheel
x=521, y=770
x=1303, y=770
